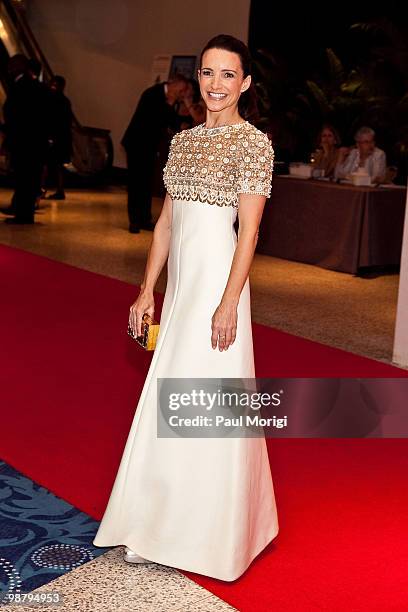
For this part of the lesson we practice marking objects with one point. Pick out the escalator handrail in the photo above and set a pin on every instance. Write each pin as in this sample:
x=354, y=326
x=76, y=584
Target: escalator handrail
x=25, y=33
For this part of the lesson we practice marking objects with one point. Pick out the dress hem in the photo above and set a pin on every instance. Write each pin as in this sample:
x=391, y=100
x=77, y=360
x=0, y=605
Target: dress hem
x=183, y=567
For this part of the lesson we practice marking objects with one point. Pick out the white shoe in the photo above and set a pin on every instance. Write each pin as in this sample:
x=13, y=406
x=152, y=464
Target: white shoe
x=132, y=557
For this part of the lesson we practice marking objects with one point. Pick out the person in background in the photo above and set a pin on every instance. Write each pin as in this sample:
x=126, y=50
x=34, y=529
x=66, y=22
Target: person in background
x=60, y=141
x=192, y=110
x=34, y=69
x=364, y=155
x=154, y=117
x=36, y=73
x=327, y=152
x=26, y=115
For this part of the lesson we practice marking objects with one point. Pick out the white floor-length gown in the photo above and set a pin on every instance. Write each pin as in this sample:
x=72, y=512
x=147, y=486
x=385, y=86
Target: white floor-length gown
x=206, y=505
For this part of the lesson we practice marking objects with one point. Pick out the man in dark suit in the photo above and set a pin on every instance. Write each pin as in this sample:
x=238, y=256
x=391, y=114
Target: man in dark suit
x=26, y=112
x=60, y=146
x=154, y=116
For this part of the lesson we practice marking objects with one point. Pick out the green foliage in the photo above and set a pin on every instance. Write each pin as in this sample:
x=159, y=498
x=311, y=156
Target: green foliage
x=372, y=91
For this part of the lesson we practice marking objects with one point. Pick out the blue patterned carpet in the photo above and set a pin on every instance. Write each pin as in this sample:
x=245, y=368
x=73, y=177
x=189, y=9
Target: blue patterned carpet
x=41, y=535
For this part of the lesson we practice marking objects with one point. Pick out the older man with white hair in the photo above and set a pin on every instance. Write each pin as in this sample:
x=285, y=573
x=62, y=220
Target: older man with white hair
x=364, y=155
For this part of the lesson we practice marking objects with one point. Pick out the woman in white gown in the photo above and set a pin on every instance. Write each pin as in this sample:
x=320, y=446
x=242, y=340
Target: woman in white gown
x=205, y=505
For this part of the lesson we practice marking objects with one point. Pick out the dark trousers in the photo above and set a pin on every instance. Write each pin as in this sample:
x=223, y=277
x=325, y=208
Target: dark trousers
x=140, y=187
x=53, y=173
x=27, y=177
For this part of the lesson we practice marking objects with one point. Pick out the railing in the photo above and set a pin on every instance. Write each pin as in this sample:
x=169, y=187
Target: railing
x=92, y=147
x=24, y=34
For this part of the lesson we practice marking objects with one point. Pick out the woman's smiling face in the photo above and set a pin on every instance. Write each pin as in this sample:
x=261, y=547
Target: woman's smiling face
x=221, y=79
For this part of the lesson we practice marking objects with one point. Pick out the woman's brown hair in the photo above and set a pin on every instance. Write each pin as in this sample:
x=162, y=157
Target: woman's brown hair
x=247, y=104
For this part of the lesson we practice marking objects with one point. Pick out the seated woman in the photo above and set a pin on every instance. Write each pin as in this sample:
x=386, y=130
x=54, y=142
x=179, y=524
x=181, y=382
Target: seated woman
x=327, y=152
x=364, y=155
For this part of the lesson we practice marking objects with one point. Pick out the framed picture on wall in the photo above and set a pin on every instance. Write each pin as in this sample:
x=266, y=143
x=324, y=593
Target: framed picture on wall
x=183, y=64
x=160, y=68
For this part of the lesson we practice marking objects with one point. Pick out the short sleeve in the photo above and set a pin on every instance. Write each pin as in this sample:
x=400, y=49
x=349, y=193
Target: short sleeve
x=256, y=165
x=170, y=167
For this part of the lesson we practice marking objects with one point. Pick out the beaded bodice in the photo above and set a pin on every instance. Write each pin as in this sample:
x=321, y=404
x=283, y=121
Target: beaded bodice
x=215, y=165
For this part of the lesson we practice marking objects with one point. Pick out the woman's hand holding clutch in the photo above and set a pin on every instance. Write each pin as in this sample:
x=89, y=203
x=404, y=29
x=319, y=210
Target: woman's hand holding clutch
x=143, y=304
x=224, y=325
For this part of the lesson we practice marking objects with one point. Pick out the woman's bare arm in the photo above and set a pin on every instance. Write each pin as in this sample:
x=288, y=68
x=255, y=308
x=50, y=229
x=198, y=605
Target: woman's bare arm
x=156, y=259
x=224, y=320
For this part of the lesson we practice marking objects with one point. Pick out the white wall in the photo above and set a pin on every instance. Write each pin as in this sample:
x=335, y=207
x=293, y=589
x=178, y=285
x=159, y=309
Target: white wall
x=105, y=48
x=400, y=355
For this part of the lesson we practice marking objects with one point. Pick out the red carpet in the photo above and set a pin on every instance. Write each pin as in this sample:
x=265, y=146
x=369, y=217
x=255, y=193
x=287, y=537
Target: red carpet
x=70, y=383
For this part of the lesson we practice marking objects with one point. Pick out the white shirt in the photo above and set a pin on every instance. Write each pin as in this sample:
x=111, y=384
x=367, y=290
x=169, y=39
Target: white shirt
x=375, y=164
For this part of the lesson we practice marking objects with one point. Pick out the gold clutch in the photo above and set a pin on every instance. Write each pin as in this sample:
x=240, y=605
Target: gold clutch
x=150, y=330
